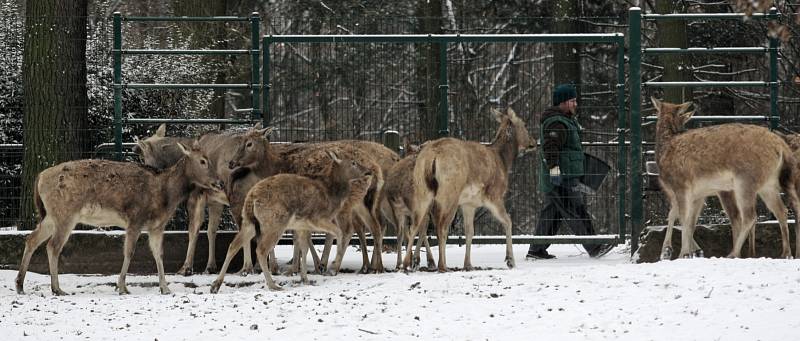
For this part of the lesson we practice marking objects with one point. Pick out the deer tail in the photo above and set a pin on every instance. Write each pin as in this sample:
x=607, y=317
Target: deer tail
x=40, y=209
x=430, y=177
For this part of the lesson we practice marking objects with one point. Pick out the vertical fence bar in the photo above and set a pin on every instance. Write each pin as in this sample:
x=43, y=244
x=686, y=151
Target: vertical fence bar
x=773, y=77
x=118, y=85
x=255, y=82
x=266, y=118
x=635, y=81
x=443, y=117
x=622, y=160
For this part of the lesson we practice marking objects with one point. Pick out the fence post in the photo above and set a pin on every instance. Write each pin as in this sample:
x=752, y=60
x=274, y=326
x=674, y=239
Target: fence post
x=443, y=117
x=255, y=82
x=635, y=81
x=622, y=162
x=118, y=85
x=266, y=117
x=774, y=119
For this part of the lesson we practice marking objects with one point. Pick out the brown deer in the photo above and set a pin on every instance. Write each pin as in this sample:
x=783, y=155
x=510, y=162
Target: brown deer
x=450, y=173
x=160, y=151
x=290, y=201
x=107, y=193
x=256, y=154
x=399, y=192
x=737, y=162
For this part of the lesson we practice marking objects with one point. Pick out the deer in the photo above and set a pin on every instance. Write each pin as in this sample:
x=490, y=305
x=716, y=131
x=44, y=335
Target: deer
x=399, y=193
x=107, y=193
x=256, y=154
x=161, y=151
x=450, y=173
x=291, y=201
x=737, y=162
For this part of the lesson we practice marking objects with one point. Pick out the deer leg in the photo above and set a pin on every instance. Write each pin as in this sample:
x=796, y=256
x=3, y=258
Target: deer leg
x=689, y=220
x=314, y=255
x=303, y=237
x=772, y=198
x=666, y=247
x=417, y=223
x=342, y=240
x=341, y=246
x=728, y=201
x=747, y=208
x=269, y=238
x=195, y=206
x=377, y=237
x=54, y=248
x=444, y=218
x=402, y=234
x=45, y=230
x=155, y=237
x=294, y=264
x=131, y=236
x=498, y=209
x=214, y=217
x=366, y=267
x=326, y=252
x=423, y=239
x=246, y=233
x=468, y=212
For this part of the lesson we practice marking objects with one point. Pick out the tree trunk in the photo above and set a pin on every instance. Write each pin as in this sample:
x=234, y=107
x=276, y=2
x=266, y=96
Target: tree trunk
x=566, y=57
x=672, y=33
x=429, y=14
x=55, y=117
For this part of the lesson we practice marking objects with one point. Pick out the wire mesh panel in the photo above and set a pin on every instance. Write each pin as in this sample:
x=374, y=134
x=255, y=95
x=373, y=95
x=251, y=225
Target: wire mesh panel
x=357, y=90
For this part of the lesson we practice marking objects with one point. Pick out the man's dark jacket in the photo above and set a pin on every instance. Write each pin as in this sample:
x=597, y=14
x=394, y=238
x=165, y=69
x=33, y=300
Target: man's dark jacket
x=560, y=138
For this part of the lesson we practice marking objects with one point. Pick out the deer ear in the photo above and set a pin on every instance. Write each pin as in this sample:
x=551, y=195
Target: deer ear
x=685, y=116
x=498, y=115
x=266, y=131
x=183, y=149
x=162, y=130
x=684, y=106
x=334, y=157
x=656, y=103
x=143, y=145
x=257, y=126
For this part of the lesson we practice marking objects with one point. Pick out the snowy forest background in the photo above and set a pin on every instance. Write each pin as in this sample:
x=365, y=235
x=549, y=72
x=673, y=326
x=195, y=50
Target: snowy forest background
x=356, y=91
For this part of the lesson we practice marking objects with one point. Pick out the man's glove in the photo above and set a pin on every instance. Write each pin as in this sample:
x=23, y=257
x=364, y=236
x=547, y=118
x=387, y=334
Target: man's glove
x=555, y=176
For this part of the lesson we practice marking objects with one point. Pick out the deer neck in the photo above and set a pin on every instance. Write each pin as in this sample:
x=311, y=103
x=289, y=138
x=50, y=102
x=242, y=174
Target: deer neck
x=664, y=136
x=270, y=165
x=505, y=146
x=338, y=188
x=175, y=184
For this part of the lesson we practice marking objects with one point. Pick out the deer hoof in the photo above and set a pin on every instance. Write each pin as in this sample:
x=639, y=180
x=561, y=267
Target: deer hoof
x=275, y=287
x=698, y=254
x=165, y=291
x=185, y=271
x=468, y=267
x=123, y=291
x=510, y=262
x=215, y=287
x=212, y=269
x=666, y=254
x=58, y=292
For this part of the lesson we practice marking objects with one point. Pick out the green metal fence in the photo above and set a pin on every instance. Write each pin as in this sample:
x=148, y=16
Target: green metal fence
x=311, y=121
x=254, y=85
x=636, y=19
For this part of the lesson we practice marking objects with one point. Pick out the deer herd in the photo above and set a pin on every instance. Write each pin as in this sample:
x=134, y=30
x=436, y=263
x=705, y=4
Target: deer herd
x=347, y=186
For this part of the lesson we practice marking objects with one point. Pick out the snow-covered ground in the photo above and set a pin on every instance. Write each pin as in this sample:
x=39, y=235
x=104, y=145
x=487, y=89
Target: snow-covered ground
x=573, y=297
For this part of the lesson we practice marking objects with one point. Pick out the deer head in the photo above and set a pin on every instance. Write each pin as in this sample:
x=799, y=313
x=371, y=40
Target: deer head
x=513, y=128
x=671, y=117
x=253, y=147
x=199, y=170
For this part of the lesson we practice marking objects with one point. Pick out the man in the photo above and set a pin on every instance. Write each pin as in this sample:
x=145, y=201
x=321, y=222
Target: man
x=561, y=168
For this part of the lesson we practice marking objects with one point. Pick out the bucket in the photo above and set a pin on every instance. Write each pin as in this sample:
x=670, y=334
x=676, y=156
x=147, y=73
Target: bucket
x=595, y=171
